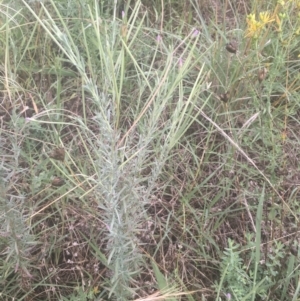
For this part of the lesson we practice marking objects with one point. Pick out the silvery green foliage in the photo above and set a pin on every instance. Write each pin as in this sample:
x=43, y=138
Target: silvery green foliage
x=16, y=241
x=119, y=199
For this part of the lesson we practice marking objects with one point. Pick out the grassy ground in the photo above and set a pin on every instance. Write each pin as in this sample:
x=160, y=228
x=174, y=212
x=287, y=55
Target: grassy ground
x=149, y=150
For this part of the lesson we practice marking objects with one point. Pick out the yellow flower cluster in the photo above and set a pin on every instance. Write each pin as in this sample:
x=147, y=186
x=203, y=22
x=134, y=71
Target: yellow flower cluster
x=283, y=3
x=254, y=27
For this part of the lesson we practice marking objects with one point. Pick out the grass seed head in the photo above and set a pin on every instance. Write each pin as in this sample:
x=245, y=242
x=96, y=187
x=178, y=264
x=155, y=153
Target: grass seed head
x=57, y=181
x=231, y=47
x=58, y=154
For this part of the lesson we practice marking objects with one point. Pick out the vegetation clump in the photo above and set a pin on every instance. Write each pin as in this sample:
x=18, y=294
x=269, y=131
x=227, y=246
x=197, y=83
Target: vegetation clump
x=149, y=150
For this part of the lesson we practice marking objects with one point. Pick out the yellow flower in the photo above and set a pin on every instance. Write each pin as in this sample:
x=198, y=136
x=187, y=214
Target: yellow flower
x=265, y=17
x=255, y=27
x=251, y=17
